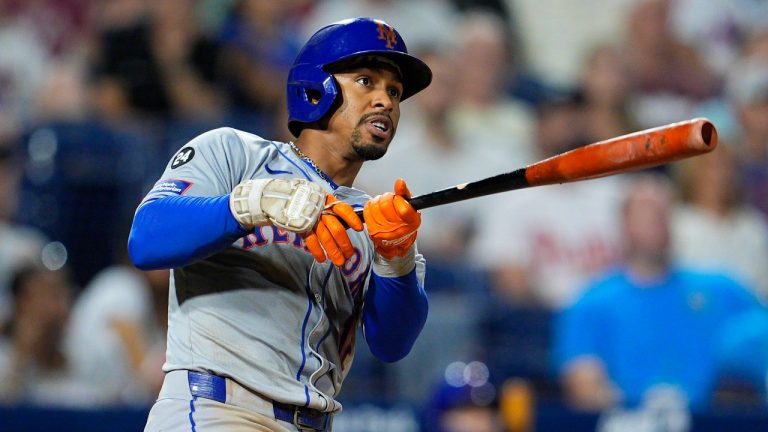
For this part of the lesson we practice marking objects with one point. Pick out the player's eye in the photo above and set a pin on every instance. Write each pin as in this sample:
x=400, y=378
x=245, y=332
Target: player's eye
x=394, y=92
x=364, y=80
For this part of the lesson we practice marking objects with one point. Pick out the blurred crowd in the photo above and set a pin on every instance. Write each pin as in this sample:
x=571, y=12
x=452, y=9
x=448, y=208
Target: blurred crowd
x=599, y=293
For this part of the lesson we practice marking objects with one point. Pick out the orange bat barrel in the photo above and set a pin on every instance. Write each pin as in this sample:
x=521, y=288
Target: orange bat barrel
x=644, y=149
x=639, y=150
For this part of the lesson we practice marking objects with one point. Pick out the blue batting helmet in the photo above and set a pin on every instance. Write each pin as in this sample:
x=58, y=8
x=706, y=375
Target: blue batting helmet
x=311, y=88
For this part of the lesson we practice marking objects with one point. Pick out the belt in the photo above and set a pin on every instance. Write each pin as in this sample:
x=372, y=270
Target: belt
x=214, y=387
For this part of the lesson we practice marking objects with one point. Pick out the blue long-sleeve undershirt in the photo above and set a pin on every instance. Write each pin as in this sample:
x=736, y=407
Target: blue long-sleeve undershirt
x=394, y=313
x=177, y=230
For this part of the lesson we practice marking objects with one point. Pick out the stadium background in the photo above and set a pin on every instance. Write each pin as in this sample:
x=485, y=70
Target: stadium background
x=95, y=96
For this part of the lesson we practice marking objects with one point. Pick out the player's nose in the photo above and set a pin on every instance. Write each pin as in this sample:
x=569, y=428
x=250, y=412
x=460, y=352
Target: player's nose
x=382, y=100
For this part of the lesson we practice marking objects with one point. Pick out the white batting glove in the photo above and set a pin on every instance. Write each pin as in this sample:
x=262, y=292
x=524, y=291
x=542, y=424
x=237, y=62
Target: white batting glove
x=293, y=204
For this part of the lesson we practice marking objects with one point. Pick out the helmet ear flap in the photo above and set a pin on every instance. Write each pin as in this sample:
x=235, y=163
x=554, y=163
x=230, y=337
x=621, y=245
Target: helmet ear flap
x=311, y=93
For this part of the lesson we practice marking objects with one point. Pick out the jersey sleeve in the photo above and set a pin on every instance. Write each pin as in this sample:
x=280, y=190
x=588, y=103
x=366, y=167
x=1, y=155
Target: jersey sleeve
x=186, y=216
x=212, y=164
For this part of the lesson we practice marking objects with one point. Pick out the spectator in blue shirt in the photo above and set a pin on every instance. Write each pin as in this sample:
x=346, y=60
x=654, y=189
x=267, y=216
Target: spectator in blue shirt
x=648, y=325
x=743, y=352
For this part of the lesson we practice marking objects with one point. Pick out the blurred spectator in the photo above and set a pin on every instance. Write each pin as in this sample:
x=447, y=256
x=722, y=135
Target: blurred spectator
x=19, y=244
x=668, y=77
x=428, y=23
x=484, y=118
x=717, y=28
x=34, y=367
x=153, y=61
x=24, y=67
x=556, y=35
x=64, y=96
x=464, y=401
x=188, y=59
x=648, y=327
x=742, y=353
x=63, y=26
x=714, y=228
x=80, y=184
x=604, y=94
x=116, y=338
x=259, y=42
x=747, y=93
x=497, y=7
x=541, y=245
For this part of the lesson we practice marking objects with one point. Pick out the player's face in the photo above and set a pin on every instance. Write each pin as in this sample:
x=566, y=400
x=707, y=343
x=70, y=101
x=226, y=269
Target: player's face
x=370, y=110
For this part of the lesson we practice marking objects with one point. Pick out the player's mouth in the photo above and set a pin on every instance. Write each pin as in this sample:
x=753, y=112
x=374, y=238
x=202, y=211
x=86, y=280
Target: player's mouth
x=380, y=126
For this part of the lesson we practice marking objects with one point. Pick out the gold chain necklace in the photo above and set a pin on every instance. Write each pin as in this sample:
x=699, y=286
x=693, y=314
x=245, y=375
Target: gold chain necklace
x=310, y=162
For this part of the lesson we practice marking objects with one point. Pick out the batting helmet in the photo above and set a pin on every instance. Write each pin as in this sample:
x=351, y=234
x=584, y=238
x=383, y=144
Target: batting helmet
x=312, y=90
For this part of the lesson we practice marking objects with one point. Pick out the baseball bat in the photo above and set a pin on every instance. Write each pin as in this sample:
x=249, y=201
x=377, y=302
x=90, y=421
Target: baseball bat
x=644, y=149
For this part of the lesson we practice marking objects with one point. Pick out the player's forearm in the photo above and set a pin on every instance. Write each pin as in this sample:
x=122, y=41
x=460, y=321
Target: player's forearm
x=394, y=314
x=177, y=230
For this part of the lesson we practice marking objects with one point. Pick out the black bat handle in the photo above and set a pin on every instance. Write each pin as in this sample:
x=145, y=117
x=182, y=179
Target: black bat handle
x=491, y=185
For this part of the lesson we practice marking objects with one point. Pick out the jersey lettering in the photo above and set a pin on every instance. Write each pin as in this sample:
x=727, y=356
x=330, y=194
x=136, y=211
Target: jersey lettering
x=280, y=235
x=262, y=236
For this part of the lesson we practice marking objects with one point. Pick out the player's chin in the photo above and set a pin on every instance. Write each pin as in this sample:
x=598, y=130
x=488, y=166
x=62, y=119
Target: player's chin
x=371, y=150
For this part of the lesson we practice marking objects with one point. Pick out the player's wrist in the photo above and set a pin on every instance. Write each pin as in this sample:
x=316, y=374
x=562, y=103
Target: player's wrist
x=395, y=266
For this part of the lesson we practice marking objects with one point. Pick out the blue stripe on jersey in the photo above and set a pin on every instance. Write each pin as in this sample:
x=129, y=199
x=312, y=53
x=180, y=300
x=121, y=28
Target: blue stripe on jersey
x=322, y=339
x=192, y=411
x=334, y=186
x=290, y=161
x=304, y=331
x=304, y=328
x=303, y=353
x=273, y=172
x=325, y=176
x=325, y=284
x=322, y=305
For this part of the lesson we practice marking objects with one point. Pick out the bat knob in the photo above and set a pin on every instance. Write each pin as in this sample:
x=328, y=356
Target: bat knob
x=706, y=131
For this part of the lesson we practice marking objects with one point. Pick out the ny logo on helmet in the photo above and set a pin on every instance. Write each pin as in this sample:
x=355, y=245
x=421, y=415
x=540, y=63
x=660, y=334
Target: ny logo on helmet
x=387, y=33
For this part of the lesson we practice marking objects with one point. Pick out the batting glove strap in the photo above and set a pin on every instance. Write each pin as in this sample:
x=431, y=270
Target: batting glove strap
x=396, y=266
x=248, y=211
x=292, y=204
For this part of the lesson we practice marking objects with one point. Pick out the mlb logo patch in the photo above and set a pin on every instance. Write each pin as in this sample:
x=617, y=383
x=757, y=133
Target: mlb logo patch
x=172, y=186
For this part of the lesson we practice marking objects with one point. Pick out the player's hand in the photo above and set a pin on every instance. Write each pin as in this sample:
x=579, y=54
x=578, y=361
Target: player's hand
x=392, y=222
x=329, y=237
x=292, y=204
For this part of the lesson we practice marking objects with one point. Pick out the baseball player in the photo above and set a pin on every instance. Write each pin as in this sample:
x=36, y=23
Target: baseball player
x=268, y=287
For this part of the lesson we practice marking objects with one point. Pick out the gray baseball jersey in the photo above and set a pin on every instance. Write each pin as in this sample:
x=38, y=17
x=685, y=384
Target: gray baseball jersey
x=263, y=312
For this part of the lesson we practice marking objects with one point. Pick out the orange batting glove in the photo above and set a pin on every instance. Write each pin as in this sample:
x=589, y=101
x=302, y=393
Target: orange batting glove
x=329, y=237
x=392, y=222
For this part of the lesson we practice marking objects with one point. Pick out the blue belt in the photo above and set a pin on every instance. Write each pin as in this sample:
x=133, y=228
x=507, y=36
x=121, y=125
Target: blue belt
x=214, y=387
